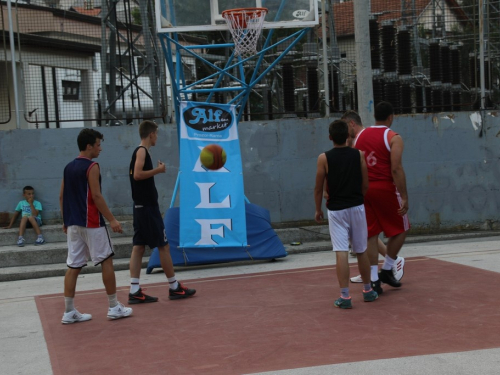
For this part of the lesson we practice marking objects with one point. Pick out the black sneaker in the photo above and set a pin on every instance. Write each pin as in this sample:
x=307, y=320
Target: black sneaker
x=387, y=277
x=180, y=292
x=140, y=297
x=376, y=287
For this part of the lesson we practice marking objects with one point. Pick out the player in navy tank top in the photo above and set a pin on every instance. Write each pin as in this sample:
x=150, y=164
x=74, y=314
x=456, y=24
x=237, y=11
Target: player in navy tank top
x=79, y=207
x=82, y=209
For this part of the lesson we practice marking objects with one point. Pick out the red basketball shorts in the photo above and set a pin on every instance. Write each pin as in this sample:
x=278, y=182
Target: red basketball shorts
x=382, y=202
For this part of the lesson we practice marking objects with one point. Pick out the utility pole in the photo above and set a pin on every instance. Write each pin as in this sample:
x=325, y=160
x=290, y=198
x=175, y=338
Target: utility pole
x=13, y=61
x=363, y=61
x=324, y=20
x=481, y=53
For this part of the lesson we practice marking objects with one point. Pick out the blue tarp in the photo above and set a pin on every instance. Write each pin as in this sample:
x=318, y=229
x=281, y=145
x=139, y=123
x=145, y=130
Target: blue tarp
x=263, y=242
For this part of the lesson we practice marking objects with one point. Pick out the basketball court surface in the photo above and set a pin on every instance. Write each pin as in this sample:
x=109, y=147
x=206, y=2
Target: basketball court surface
x=274, y=317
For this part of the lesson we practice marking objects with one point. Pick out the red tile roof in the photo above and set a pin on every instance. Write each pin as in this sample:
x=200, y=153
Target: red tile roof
x=89, y=12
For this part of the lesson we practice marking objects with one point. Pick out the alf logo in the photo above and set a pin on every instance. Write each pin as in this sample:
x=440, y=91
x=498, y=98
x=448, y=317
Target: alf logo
x=207, y=118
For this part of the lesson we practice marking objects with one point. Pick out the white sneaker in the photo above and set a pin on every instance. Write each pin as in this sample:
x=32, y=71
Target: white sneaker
x=75, y=316
x=119, y=311
x=356, y=279
x=398, y=268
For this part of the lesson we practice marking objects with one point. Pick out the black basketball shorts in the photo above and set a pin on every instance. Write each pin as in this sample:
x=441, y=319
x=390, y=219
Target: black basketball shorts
x=148, y=227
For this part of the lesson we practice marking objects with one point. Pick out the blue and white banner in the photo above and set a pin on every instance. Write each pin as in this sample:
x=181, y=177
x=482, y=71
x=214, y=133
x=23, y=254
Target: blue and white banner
x=212, y=203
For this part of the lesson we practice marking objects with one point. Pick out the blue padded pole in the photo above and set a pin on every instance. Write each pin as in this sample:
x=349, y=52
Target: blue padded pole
x=176, y=188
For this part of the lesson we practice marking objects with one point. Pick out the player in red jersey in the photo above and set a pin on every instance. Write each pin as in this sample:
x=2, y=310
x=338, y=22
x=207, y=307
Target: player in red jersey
x=355, y=127
x=386, y=202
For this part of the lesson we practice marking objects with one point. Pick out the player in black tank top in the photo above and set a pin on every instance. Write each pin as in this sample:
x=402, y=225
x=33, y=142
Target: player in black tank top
x=346, y=173
x=344, y=178
x=144, y=192
x=149, y=228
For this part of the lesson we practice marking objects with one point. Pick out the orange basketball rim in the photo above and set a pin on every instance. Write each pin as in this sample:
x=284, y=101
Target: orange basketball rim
x=245, y=25
x=241, y=16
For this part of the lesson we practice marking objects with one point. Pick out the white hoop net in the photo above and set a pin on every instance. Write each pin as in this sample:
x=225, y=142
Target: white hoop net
x=245, y=25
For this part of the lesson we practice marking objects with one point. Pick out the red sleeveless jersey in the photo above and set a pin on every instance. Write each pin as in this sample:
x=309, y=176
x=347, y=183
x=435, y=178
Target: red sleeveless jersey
x=375, y=143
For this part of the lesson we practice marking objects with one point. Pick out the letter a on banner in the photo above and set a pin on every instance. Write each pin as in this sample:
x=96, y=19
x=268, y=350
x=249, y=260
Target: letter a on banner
x=212, y=202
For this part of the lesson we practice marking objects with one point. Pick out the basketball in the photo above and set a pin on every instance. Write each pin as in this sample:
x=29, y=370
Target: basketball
x=213, y=157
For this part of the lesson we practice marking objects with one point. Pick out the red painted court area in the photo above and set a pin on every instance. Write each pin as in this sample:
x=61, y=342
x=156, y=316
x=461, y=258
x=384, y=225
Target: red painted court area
x=274, y=321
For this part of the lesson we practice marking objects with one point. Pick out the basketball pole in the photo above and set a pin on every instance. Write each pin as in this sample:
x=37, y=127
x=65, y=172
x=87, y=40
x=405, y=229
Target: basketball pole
x=171, y=47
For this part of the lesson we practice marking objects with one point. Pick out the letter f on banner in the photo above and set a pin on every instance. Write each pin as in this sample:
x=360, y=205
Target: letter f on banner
x=207, y=232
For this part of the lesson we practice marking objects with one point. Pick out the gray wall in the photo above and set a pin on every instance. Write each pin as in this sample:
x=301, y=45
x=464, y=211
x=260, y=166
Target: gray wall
x=452, y=169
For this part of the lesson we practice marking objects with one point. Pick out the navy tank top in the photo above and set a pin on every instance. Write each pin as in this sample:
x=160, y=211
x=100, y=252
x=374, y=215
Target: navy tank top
x=78, y=206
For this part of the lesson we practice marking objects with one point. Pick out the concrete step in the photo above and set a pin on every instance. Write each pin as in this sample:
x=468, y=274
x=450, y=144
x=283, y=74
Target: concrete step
x=54, y=253
x=59, y=269
x=55, y=249
x=52, y=233
x=303, y=234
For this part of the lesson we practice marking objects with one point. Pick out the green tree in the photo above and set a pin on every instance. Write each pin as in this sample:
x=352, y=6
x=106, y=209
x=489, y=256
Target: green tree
x=136, y=16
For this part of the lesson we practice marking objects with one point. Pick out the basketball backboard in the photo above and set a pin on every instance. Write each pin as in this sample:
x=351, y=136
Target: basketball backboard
x=206, y=15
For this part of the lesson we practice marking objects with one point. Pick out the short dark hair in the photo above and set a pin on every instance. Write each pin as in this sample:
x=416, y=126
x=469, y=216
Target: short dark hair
x=146, y=128
x=339, y=132
x=352, y=116
x=383, y=110
x=27, y=187
x=88, y=137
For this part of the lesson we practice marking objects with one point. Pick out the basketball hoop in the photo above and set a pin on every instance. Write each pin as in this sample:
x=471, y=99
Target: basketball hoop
x=245, y=25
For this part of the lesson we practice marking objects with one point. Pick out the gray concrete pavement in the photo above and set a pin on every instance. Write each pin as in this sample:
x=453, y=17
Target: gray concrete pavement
x=23, y=350
x=483, y=362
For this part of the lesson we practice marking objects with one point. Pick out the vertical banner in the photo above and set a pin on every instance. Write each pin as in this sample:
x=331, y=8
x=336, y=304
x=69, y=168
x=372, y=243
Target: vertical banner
x=212, y=202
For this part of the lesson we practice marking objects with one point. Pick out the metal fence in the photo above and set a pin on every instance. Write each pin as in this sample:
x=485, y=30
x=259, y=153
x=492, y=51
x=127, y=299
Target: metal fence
x=426, y=56
x=80, y=65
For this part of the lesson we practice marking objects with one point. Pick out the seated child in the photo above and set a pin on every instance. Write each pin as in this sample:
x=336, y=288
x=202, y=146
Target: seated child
x=31, y=214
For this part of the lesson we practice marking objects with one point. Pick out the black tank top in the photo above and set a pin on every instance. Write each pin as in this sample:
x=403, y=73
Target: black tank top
x=144, y=192
x=344, y=178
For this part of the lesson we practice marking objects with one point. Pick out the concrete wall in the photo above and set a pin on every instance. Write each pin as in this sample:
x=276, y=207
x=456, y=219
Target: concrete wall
x=452, y=168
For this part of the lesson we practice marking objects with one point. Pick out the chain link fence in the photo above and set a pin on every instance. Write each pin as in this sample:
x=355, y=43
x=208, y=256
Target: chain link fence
x=426, y=56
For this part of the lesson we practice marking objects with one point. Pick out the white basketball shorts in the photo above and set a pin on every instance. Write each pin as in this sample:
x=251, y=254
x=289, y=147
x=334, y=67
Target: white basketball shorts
x=88, y=243
x=348, y=224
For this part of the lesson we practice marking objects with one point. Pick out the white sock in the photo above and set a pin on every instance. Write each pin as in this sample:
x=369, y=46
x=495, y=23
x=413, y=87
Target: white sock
x=69, y=304
x=172, y=282
x=374, y=273
x=388, y=263
x=134, y=285
x=113, y=300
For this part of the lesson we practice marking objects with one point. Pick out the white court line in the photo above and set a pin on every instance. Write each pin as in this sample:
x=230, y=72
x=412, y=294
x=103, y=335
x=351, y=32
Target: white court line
x=16, y=299
x=270, y=273
x=468, y=254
